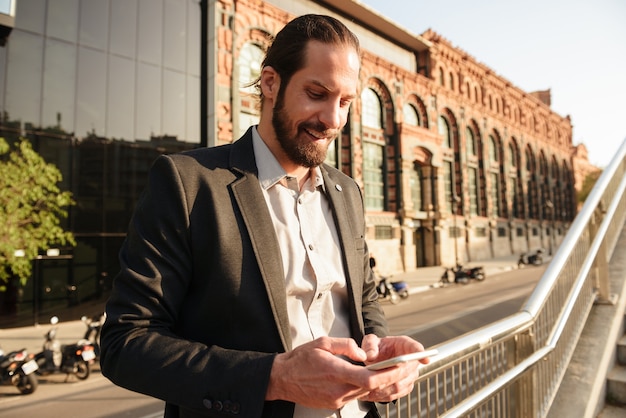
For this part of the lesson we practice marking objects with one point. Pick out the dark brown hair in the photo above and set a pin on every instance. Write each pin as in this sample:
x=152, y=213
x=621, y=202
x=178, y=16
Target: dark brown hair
x=286, y=54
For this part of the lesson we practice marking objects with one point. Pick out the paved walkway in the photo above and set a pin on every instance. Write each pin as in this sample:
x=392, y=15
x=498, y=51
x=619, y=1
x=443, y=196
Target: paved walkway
x=72, y=329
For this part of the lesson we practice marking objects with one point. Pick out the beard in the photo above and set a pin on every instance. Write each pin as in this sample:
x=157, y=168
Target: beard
x=296, y=143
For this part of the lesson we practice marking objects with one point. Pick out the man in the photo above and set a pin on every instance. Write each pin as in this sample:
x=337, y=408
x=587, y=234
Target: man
x=245, y=286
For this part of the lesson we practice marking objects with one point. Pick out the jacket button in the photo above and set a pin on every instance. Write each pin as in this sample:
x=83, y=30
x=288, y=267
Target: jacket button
x=217, y=405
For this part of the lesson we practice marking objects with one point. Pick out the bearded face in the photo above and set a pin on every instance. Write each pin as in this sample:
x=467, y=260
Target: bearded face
x=306, y=143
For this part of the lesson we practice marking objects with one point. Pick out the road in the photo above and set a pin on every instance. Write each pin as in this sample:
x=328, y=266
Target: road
x=431, y=317
x=441, y=314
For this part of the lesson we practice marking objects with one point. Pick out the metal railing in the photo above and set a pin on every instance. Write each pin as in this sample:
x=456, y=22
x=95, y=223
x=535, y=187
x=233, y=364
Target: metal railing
x=513, y=367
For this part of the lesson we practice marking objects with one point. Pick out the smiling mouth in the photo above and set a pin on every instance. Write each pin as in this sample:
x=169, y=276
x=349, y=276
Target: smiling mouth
x=327, y=136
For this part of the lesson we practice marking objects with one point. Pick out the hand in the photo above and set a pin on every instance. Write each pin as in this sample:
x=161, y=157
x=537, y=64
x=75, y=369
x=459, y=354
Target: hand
x=313, y=375
x=398, y=381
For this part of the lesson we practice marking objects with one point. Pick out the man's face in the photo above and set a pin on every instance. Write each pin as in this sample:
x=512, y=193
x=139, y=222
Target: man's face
x=310, y=111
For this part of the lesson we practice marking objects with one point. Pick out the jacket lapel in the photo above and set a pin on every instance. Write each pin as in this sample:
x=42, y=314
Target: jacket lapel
x=352, y=264
x=256, y=216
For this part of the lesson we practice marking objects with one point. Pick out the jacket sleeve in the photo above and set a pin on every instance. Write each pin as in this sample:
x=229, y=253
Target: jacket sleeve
x=141, y=348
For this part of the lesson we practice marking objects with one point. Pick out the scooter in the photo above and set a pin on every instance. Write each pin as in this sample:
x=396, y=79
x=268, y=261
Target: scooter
x=401, y=288
x=535, y=258
x=92, y=334
x=71, y=359
x=463, y=275
x=17, y=368
x=386, y=290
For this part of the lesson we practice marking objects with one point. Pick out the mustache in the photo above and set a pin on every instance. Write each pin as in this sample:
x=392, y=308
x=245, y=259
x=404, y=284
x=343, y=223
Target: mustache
x=320, y=128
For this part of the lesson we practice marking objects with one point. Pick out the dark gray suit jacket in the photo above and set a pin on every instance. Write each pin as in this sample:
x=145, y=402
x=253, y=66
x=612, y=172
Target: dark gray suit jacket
x=198, y=310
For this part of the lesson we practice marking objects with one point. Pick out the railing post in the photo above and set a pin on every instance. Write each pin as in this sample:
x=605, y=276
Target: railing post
x=523, y=391
x=601, y=263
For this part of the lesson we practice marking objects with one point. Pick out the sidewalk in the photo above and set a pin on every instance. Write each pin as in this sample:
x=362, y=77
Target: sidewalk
x=70, y=330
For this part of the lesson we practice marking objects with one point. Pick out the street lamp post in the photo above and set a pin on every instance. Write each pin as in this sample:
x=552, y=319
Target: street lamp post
x=455, y=201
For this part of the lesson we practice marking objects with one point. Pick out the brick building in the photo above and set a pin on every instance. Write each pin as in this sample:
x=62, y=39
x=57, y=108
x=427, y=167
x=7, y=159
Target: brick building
x=455, y=161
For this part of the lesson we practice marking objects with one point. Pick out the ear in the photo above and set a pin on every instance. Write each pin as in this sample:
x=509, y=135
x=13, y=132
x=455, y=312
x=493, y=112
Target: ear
x=270, y=83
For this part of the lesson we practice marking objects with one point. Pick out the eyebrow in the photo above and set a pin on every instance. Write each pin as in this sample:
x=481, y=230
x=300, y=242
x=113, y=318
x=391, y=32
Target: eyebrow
x=322, y=85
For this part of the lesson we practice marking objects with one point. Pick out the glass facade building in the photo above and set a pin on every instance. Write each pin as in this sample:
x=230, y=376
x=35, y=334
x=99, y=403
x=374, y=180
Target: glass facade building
x=100, y=88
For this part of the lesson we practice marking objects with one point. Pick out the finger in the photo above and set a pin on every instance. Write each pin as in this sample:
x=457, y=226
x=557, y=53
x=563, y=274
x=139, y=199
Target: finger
x=370, y=346
x=343, y=347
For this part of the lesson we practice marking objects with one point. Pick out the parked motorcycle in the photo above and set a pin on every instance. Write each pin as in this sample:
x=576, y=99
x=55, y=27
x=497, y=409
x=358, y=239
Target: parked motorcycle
x=92, y=334
x=71, y=359
x=463, y=275
x=393, y=291
x=401, y=288
x=386, y=291
x=534, y=258
x=17, y=368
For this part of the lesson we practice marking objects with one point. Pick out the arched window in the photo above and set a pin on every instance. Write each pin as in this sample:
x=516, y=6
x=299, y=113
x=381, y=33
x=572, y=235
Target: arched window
x=493, y=149
x=415, y=184
x=445, y=132
x=371, y=109
x=441, y=77
x=410, y=115
x=249, y=67
x=374, y=176
x=470, y=142
x=373, y=152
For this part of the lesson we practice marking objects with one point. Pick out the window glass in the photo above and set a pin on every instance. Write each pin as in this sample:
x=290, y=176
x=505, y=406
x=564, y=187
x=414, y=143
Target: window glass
x=63, y=19
x=193, y=41
x=94, y=24
x=495, y=193
x=121, y=98
x=174, y=34
x=91, y=90
x=173, y=103
x=30, y=15
x=250, y=59
x=122, y=39
x=447, y=184
x=23, y=84
x=472, y=180
x=371, y=109
x=411, y=117
x=470, y=143
x=512, y=155
x=193, y=109
x=373, y=176
x=493, y=150
x=150, y=31
x=148, y=101
x=415, y=184
x=444, y=131
x=59, y=85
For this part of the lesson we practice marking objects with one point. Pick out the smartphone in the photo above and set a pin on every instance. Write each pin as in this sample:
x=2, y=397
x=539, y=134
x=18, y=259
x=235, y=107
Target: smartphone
x=402, y=359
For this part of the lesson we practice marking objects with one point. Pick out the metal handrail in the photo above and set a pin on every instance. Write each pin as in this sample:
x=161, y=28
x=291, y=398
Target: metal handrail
x=523, y=341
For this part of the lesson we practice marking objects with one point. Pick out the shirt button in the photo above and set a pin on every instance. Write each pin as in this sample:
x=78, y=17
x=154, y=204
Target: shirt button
x=311, y=247
x=319, y=295
x=299, y=200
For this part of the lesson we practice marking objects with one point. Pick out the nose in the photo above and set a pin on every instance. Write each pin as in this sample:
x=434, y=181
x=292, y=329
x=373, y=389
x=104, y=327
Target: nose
x=332, y=115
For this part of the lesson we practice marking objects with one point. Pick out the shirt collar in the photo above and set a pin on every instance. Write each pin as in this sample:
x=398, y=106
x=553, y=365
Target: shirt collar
x=270, y=170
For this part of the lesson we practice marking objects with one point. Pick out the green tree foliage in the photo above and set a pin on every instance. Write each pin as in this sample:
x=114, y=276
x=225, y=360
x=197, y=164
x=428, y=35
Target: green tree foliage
x=587, y=186
x=31, y=209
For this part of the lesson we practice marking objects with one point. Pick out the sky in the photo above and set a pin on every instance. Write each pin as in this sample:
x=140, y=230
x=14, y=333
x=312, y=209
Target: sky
x=575, y=48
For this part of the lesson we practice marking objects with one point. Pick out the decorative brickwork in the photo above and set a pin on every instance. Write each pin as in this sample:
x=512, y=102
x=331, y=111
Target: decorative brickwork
x=506, y=153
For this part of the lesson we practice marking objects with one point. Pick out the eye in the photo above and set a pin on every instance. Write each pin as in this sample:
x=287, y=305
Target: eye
x=315, y=95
